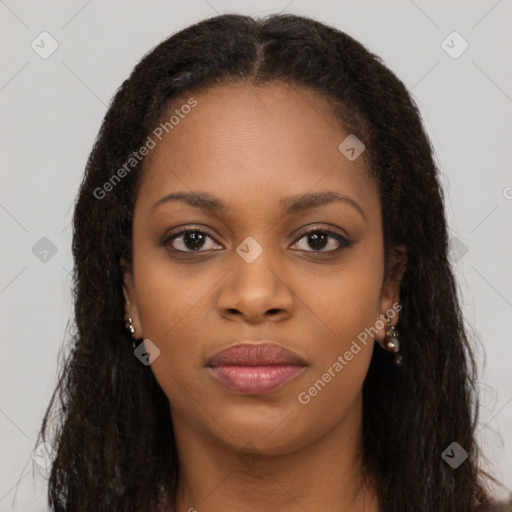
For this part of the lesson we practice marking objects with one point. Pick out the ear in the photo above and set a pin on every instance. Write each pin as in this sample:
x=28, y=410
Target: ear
x=390, y=295
x=130, y=296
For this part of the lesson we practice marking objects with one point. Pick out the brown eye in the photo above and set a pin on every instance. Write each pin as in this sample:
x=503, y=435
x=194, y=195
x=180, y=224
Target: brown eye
x=191, y=240
x=322, y=240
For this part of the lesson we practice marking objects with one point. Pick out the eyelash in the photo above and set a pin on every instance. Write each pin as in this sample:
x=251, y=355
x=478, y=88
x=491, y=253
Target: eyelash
x=343, y=242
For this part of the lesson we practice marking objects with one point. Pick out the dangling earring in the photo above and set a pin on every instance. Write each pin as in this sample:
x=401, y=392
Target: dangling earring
x=129, y=326
x=392, y=344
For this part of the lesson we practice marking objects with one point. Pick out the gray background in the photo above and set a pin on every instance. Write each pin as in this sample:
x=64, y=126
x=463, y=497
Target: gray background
x=51, y=111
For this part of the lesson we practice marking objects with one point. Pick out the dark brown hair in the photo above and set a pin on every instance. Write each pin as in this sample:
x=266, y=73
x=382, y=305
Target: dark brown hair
x=114, y=437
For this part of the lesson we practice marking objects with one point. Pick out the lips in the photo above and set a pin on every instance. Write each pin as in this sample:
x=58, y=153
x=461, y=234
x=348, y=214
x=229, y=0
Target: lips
x=263, y=354
x=256, y=368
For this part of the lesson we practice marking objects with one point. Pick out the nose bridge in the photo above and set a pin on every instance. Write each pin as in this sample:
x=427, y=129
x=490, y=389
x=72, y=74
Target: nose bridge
x=255, y=267
x=255, y=286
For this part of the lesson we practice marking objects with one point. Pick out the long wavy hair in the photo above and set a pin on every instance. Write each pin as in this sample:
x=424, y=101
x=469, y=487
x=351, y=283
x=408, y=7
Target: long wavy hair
x=113, y=435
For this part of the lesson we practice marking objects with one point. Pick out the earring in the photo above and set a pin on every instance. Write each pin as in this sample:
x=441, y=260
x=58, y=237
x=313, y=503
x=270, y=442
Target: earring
x=392, y=344
x=129, y=325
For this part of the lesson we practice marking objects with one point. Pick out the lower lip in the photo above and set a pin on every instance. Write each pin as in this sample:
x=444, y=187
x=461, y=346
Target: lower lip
x=256, y=380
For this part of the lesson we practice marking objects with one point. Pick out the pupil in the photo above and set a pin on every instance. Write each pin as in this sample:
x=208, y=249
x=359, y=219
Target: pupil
x=193, y=238
x=316, y=240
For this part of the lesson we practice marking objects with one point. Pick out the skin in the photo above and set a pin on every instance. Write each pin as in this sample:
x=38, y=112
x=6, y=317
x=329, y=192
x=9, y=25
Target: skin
x=269, y=451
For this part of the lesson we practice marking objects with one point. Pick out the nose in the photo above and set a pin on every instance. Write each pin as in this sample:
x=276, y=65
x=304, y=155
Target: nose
x=255, y=291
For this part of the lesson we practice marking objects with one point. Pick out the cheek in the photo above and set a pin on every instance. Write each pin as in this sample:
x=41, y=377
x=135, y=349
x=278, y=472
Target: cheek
x=169, y=293
x=346, y=300
x=168, y=313
x=346, y=308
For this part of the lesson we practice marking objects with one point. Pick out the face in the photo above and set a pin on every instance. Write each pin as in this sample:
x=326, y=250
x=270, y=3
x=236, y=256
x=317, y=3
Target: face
x=285, y=246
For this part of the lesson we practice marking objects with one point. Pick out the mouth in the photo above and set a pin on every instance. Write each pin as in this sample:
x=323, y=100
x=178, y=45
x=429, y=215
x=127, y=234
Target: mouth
x=256, y=369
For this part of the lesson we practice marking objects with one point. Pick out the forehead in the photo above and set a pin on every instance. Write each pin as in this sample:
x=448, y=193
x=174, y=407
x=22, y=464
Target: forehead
x=252, y=145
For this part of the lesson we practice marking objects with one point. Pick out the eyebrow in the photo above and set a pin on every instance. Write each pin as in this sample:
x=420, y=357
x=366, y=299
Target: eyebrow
x=291, y=204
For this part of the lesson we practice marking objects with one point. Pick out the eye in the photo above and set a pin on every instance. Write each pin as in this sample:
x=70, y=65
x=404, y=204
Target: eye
x=322, y=240
x=191, y=240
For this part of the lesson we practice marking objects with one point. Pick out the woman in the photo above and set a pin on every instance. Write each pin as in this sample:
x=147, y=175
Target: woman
x=266, y=316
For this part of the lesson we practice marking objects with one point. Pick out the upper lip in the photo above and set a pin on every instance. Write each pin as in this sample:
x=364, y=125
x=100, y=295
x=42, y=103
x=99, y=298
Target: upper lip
x=255, y=354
